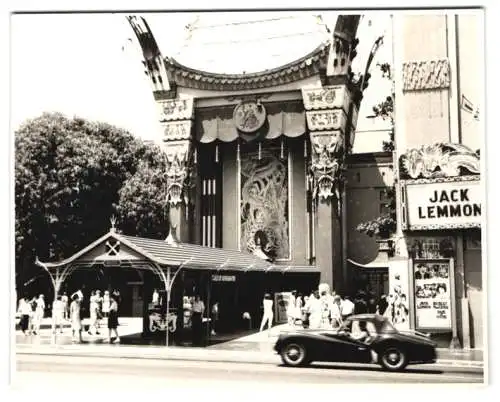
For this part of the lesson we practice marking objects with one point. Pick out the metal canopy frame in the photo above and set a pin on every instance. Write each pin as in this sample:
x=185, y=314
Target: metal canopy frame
x=160, y=258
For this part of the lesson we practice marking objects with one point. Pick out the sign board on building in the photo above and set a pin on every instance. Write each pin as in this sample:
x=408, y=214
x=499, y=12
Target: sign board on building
x=223, y=278
x=446, y=203
x=432, y=294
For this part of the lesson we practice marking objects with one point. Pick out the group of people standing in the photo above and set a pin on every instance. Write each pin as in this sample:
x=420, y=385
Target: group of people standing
x=324, y=309
x=106, y=306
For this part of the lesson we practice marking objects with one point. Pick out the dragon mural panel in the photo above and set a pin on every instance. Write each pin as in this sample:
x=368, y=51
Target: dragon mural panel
x=264, y=204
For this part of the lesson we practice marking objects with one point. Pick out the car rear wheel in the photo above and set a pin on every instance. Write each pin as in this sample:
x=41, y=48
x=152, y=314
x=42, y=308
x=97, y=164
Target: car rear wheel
x=294, y=354
x=393, y=359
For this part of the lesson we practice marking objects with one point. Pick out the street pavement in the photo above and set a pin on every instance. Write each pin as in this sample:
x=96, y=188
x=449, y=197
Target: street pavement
x=256, y=348
x=48, y=371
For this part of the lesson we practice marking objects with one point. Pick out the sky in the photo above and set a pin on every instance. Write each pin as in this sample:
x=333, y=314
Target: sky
x=89, y=65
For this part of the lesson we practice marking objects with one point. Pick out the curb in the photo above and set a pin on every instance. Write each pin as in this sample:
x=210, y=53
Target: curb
x=195, y=355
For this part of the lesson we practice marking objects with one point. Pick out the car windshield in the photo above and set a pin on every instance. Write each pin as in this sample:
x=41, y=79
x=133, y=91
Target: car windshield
x=387, y=327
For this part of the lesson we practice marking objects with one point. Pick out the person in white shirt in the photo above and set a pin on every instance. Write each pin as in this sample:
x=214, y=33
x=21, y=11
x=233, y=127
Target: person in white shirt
x=156, y=298
x=197, y=319
x=39, y=313
x=347, y=307
x=315, y=311
x=106, y=303
x=94, y=311
x=57, y=314
x=267, y=317
x=25, y=310
x=65, y=303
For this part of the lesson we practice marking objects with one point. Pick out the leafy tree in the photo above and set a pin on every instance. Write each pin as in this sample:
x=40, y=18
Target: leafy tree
x=385, y=224
x=68, y=177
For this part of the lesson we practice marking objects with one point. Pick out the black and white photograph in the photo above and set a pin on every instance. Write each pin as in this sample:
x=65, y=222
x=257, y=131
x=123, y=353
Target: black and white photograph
x=251, y=197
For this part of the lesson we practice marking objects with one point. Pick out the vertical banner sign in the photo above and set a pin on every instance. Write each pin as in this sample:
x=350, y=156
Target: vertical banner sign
x=432, y=295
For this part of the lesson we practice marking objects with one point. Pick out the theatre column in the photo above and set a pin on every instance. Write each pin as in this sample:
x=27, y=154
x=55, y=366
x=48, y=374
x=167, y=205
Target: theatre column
x=328, y=112
x=176, y=119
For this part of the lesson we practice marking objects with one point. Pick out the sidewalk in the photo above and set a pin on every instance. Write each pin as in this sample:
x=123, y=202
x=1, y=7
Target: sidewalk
x=255, y=348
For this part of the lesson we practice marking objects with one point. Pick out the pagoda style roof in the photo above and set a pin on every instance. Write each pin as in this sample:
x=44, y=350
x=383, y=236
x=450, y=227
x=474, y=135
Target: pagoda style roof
x=305, y=67
x=131, y=251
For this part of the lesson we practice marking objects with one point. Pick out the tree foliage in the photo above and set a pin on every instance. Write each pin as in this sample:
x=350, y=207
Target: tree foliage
x=69, y=175
x=385, y=224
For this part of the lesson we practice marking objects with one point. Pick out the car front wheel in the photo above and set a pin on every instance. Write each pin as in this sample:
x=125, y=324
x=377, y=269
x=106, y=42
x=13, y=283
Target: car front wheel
x=294, y=354
x=393, y=359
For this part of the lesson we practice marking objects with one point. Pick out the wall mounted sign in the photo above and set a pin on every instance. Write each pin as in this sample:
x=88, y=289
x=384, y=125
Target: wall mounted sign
x=326, y=120
x=332, y=97
x=432, y=294
x=249, y=116
x=442, y=203
x=223, y=278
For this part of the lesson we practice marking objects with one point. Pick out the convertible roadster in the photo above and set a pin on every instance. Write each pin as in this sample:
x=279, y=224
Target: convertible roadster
x=364, y=338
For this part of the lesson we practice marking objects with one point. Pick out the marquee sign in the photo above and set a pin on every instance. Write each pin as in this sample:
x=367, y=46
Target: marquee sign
x=326, y=120
x=446, y=203
x=328, y=97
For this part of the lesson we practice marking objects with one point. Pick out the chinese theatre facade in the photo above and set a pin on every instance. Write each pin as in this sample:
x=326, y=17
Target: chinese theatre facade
x=257, y=160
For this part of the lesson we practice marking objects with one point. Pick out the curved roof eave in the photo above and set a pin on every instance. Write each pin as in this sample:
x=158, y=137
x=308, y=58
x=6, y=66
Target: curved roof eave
x=299, y=69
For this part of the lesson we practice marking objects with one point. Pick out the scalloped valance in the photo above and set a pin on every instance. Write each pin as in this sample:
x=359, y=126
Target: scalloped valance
x=287, y=119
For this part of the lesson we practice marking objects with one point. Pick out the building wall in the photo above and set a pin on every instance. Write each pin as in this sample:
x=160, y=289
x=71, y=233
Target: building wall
x=367, y=177
x=426, y=112
x=426, y=117
x=471, y=76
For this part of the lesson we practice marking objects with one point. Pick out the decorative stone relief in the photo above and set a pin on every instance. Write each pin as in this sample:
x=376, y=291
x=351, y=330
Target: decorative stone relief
x=326, y=149
x=176, y=109
x=430, y=74
x=177, y=153
x=326, y=120
x=333, y=97
x=439, y=160
x=177, y=130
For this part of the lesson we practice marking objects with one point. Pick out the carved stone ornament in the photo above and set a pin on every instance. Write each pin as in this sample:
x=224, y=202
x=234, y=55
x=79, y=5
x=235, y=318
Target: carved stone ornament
x=326, y=149
x=177, y=154
x=249, y=116
x=333, y=97
x=439, y=160
x=177, y=130
x=176, y=109
x=430, y=74
x=326, y=120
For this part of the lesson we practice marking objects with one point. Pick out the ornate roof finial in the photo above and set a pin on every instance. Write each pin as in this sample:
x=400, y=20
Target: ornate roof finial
x=113, y=223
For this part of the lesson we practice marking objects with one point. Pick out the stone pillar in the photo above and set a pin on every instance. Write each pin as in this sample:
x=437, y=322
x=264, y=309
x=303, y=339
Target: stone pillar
x=329, y=113
x=176, y=117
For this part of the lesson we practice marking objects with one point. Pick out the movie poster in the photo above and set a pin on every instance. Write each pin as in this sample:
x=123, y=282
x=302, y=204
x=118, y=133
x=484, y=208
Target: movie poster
x=432, y=295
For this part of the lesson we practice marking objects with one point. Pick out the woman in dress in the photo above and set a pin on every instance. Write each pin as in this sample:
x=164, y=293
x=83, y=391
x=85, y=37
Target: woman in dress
x=39, y=313
x=113, y=319
x=105, y=304
x=315, y=311
x=75, y=317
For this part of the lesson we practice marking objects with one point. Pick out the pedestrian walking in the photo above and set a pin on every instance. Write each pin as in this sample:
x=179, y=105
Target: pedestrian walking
x=57, y=314
x=215, y=318
x=197, y=320
x=113, y=319
x=65, y=303
x=25, y=311
x=267, y=317
x=299, y=304
x=39, y=314
x=75, y=317
x=315, y=311
x=106, y=303
x=94, y=311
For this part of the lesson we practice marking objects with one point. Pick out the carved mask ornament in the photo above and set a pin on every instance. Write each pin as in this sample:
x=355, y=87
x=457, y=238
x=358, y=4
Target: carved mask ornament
x=326, y=150
x=177, y=170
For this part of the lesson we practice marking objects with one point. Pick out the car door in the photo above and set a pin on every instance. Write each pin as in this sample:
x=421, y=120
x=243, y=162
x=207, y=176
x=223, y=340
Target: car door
x=341, y=347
